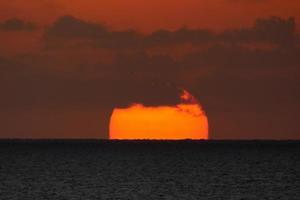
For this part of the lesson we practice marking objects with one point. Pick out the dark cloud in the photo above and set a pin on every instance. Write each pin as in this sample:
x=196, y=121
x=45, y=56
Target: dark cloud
x=274, y=30
x=183, y=35
x=15, y=24
x=128, y=80
x=72, y=32
x=69, y=28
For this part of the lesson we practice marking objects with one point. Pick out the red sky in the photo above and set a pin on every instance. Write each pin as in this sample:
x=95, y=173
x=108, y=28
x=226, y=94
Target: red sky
x=153, y=14
x=57, y=82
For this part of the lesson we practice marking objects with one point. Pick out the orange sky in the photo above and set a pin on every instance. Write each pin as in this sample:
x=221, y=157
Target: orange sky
x=153, y=14
x=67, y=85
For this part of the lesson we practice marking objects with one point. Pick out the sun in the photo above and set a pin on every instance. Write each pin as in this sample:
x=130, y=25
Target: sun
x=186, y=120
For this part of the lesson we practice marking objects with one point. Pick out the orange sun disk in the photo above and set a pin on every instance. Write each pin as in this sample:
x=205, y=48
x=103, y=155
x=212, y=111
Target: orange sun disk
x=183, y=121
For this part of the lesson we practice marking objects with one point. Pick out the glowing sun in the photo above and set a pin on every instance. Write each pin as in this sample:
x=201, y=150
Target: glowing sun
x=186, y=120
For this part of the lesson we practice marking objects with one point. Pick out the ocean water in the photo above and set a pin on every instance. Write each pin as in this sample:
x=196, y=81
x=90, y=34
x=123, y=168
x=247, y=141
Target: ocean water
x=90, y=169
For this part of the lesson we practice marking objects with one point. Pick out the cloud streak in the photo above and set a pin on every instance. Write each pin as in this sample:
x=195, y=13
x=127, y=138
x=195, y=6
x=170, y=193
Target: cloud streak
x=67, y=30
x=15, y=24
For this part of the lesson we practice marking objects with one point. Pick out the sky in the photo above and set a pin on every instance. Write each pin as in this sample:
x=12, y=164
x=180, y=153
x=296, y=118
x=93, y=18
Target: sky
x=65, y=65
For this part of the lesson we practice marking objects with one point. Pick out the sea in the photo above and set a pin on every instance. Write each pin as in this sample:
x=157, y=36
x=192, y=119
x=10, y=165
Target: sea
x=103, y=169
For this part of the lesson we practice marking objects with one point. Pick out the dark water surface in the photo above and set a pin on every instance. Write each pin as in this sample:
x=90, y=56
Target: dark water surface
x=87, y=169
